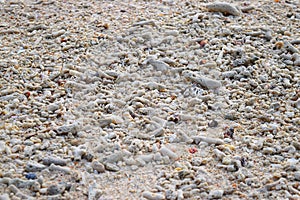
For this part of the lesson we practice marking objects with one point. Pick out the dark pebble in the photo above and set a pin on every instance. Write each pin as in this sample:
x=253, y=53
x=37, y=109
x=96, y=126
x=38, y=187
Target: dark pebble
x=31, y=176
x=57, y=189
x=213, y=124
x=89, y=157
x=53, y=190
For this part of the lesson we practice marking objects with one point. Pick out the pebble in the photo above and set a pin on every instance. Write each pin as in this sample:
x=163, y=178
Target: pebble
x=229, y=74
x=290, y=47
x=223, y=7
x=297, y=176
x=226, y=160
x=209, y=83
x=158, y=65
x=58, y=33
x=78, y=153
x=55, y=189
x=111, y=167
x=209, y=140
x=2, y=146
x=34, y=167
x=220, y=155
x=115, y=157
x=4, y=196
x=54, y=167
x=99, y=167
x=146, y=22
x=296, y=58
x=157, y=156
x=72, y=128
x=205, y=82
x=268, y=150
x=158, y=133
x=210, y=65
x=215, y=194
x=32, y=185
x=31, y=176
x=165, y=151
x=296, y=145
x=55, y=160
x=146, y=158
x=153, y=196
x=18, y=193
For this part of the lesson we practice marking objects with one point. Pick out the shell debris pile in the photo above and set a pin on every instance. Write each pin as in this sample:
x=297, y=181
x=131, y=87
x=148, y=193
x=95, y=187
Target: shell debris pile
x=149, y=99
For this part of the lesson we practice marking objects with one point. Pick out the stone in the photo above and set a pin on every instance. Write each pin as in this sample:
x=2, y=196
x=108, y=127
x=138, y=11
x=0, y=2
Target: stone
x=209, y=140
x=153, y=196
x=215, y=194
x=223, y=7
x=226, y=160
x=167, y=152
x=34, y=167
x=4, y=196
x=72, y=128
x=55, y=160
x=99, y=167
x=111, y=167
x=2, y=146
x=55, y=189
x=158, y=65
x=297, y=176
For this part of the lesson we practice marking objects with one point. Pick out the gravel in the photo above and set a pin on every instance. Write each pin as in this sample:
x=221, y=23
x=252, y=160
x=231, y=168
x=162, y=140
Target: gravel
x=149, y=99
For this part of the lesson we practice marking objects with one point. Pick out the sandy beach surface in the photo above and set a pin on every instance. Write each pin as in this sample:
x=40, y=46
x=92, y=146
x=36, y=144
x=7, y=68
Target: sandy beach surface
x=149, y=99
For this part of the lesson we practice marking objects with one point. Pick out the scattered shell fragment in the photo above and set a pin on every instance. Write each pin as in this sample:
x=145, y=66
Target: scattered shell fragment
x=149, y=99
x=209, y=140
x=223, y=7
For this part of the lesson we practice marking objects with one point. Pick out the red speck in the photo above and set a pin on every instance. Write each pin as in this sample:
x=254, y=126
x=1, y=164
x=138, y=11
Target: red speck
x=174, y=118
x=61, y=82
x=193, y=150
x=202, y=62
x=229, y=133
x=27, y=94
x=203, y=43
x=63, y=40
